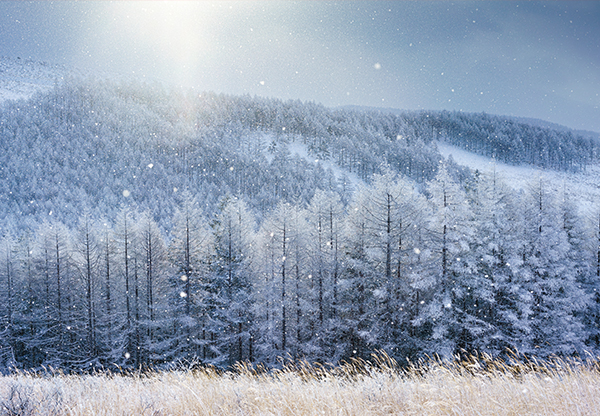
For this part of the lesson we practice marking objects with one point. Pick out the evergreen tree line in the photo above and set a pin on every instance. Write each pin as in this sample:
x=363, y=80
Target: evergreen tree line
x=511, y=141
x=447, y=269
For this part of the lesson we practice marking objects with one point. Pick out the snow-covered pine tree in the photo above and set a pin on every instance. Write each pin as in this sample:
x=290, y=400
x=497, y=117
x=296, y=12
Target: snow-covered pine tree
x=454, y=312
x=153, y=285
x=357, y=285
x=280, y=289
x=583, y=255
x=86, y=256
x=234, y=230
x=395, y=214
x=124, y=242
x=502, y=300
x=591, y=315
x=108, y=307
x=9, y=352
x=190, y=252
x=549, y=275
x=325, y=254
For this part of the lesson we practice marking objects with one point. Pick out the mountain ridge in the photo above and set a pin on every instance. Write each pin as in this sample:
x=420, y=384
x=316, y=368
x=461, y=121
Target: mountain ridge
x=525, y=120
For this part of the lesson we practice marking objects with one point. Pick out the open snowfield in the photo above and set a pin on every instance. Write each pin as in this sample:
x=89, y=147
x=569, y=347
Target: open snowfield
x=583, y=187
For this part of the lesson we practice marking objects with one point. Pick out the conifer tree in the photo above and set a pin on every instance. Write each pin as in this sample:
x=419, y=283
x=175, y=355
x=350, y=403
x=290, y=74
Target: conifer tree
x=549, y=276
x=190, y=251
x=234, y=233
x=502, y=299
x=325, y=251
x=87, y=258
x=453, y=311
x=154, y=270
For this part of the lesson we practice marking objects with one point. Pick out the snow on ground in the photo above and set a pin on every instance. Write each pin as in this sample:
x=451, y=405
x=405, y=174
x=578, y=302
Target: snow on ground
x=583, y=187
x=301, y=150
x=21, y=78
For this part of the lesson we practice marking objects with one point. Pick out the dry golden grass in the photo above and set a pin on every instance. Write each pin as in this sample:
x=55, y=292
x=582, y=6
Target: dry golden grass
x=474, y=387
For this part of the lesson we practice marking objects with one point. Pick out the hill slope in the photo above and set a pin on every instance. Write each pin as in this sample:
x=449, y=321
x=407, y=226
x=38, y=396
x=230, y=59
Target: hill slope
x=85, y=142
x=580, y=187
x=22, y=78
x=59, y=146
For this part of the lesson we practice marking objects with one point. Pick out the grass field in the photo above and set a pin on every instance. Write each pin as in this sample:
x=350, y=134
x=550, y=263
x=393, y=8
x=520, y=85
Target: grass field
x=473, y=387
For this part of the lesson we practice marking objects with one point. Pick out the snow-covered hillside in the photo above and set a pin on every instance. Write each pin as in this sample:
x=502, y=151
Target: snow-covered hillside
x=581, y=186
x=21, y=78
x=349, y=178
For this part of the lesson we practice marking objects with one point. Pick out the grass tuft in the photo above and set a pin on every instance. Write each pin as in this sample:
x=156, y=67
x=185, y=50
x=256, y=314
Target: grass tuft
x=468, y=385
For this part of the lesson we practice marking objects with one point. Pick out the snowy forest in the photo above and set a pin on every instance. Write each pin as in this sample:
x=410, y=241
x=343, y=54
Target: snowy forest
x=144, y=226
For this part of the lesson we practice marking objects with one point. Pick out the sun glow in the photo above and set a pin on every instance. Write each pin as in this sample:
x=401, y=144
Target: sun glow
x=180, y=34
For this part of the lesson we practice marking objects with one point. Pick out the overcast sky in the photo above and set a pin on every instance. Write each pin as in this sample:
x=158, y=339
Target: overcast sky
x=530, y=59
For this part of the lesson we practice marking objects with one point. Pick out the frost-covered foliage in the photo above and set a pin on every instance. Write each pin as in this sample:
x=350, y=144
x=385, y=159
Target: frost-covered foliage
x=472, y=386
x=88, y=142
x=512, y=141
x=458, y=269
x=146, y=227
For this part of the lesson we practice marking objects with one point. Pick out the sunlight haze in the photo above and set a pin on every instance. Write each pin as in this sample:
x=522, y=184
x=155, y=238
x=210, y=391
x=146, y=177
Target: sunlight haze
x=529, y=59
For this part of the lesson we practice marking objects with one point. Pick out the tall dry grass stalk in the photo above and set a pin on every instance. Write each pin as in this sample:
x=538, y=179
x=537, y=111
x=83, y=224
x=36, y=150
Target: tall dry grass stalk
x=476, y=386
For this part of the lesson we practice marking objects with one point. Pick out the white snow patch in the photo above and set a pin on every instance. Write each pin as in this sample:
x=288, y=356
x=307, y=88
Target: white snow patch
x=301, y=150
x=21, y=78
x=583, y=187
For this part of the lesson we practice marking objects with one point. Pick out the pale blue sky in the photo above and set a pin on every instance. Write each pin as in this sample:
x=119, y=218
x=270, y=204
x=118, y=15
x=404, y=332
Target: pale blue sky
x=532, y=59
